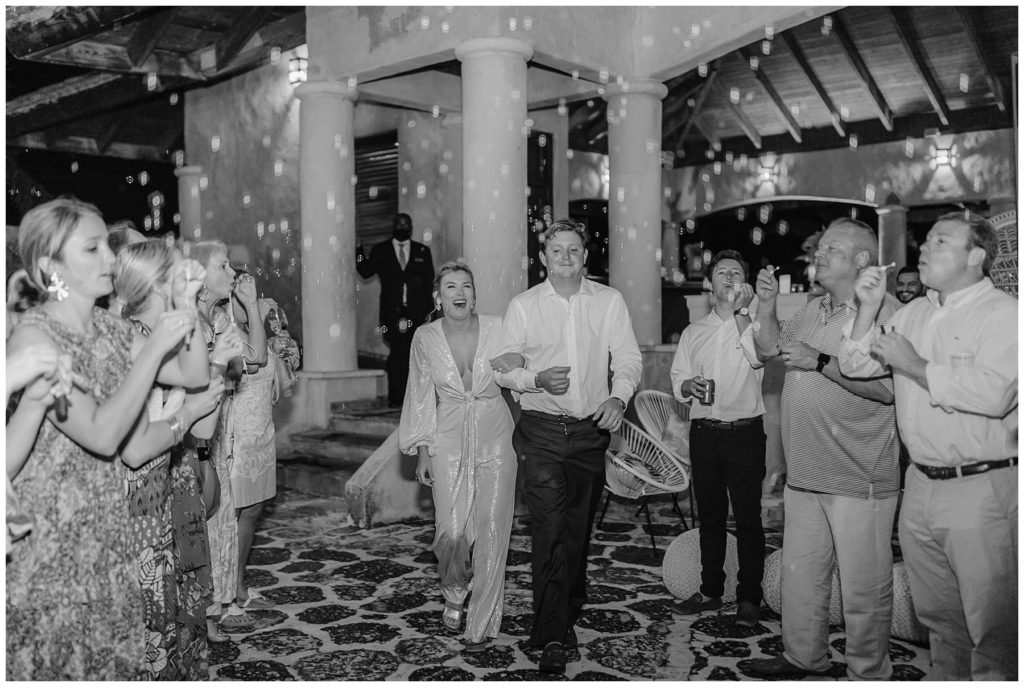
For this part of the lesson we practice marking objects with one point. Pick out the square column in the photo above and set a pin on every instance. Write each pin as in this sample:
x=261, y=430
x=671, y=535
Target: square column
x=634, y=201
x=494, y=135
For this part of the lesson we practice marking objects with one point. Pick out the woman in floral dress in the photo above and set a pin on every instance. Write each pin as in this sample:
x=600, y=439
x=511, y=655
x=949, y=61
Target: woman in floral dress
x=74, y=610
x=167, y=520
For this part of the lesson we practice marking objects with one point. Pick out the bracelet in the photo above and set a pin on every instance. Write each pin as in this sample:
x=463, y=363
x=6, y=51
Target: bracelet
x=176, y=431
x=616, y=398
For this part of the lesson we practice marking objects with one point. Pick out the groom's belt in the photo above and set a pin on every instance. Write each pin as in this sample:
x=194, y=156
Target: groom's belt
x=557, y=419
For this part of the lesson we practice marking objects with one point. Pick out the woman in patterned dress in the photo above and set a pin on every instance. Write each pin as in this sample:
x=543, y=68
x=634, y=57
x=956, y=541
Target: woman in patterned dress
x=167, y=519
x=74, y=610
x=250, y=440
x=458, y=424
x=218, y=285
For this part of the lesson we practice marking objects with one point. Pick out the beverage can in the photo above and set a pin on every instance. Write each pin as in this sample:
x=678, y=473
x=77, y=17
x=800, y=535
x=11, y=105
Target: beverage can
x=708, y=397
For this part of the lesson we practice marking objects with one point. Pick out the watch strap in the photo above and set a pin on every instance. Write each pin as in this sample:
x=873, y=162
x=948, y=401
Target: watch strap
x=823, y=360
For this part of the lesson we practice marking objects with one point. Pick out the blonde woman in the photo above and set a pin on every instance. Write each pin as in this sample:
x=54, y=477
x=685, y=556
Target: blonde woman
x=74, y=609
x=457, y=423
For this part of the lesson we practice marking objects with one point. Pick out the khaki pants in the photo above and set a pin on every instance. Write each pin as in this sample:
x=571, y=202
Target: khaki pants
x=959, y=541
x=820, y=530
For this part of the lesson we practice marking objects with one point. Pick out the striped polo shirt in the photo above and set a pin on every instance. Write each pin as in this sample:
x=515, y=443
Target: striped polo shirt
x=835, y=441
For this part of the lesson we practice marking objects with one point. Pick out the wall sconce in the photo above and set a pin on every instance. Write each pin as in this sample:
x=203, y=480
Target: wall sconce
x=943, y=157
x=297, y=70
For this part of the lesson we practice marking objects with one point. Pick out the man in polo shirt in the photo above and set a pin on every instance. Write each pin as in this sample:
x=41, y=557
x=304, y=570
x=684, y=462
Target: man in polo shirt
x=839, y=437
x=953, y=355
x=727, y=440
x=571, y=331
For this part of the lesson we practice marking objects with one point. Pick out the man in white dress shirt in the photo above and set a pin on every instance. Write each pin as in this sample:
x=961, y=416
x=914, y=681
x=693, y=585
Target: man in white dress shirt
x=727, y=439
x=953, y=357
x=567, y=328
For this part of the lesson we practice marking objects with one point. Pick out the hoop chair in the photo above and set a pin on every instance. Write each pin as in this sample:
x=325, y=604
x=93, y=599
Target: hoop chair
x=654, y=408
x=637, y=466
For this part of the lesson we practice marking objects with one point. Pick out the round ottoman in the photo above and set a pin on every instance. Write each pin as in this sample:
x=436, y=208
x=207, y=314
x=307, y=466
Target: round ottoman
x=680, y=569
x=904, y=620
x=771, y=587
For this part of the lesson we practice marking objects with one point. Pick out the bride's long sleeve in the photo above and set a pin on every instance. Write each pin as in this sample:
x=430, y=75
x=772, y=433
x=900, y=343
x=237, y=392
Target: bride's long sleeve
x=418, y=425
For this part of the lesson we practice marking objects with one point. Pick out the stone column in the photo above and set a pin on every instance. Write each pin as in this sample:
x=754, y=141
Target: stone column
x=327, y=203
x=190, y=206
x=494, y=139
x=892, y=239
x=450, y=172
x=634, y=201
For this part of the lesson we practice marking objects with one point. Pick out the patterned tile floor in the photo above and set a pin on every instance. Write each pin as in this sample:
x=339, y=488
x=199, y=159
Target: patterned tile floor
x=363, y=605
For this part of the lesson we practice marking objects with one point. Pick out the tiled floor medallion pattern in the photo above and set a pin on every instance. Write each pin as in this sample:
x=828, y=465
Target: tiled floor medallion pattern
x=363, y=605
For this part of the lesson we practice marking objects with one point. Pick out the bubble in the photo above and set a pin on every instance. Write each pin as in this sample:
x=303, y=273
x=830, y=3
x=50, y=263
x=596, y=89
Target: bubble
x=307, y=243
x=148, y=222
x=435, y=111
x=471, y=184
x=176, y=218
x=783, y=227
x=424, y=23
x=826, y=26
x=215, y=143
x=246, y=199
x=330, y=200
x=445, y=27
x=965, y=82
x=173, y=99
x=421, y=190
x=266, y=140
x=766, y=47
x=333, y=240
x=657, y=255
x=284, y=226
x=130, y=179
x=603, y=76
x=869, y=193
x=620, y=194
x=844, y=112
x=569, y=153
x=335, y=330
x=515, y=95
x=631, y=234
x=504, y=170
x=717, y=167
x=853, y=141
x=428, y=236
x=908, y=148
x=278, y=168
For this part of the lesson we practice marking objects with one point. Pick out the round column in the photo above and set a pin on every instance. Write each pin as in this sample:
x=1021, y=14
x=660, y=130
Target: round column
x=494, y=136
x=189, y=205
x=327, y=203
x=634, y=201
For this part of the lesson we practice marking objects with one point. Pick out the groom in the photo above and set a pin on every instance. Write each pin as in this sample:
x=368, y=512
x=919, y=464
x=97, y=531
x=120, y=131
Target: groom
x=566, y=328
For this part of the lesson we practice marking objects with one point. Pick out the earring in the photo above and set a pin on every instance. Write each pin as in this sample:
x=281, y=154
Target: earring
x=57, y=288
x=204, y=294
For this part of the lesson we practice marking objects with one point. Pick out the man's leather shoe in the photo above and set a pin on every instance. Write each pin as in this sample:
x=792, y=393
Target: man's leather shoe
x=553, y=658
x=748, y=614
x=571, y=640
x=779, y=666
x=696, y=604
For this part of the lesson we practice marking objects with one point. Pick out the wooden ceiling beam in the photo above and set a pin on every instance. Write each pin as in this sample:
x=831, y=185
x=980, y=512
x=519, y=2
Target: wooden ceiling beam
x=697, y=105
x=231, y=44
x=780, y=106
x=863, y=73
x=108, y=134
x=34, y=32
x=974, y=41
x=81, y=98
x=741, y=117
x=912, y=44
x=148, y=34
x=819, y=88
x=705, y=129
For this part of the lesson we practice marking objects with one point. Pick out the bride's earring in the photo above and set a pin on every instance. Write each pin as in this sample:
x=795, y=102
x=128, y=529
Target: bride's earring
x=57, y=288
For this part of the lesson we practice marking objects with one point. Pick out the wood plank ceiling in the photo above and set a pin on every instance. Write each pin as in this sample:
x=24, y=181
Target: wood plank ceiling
x=104, y=80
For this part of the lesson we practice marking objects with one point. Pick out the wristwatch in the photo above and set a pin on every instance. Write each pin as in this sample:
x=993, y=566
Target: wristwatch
x=744, y=311
x=823, y=360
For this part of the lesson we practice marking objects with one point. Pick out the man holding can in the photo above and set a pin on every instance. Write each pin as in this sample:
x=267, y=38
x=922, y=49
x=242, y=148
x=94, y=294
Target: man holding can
x=717, y=364
x=842, y=481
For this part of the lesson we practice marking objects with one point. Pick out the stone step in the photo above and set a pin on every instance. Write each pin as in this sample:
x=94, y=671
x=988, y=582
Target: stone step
x=372, y=417
x=310, y=477
x=335, y=449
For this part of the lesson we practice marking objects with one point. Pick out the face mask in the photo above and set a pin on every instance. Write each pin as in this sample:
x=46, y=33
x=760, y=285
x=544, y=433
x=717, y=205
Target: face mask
x=402, y=233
